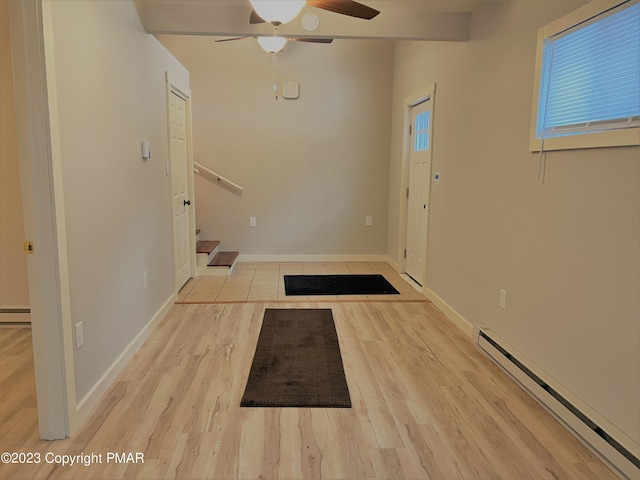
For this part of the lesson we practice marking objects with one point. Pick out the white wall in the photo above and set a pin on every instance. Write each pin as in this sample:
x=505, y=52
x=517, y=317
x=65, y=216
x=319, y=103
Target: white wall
x=566, y=251
x=312, y=168
x=111, y=94
x=14, y=289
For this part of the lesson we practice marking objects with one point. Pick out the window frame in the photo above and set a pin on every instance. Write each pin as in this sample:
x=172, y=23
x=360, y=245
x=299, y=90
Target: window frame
x=609, y=138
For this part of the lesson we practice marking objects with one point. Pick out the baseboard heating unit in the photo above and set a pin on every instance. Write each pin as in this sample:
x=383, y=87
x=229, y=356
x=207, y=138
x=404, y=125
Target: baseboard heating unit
x=623, y=461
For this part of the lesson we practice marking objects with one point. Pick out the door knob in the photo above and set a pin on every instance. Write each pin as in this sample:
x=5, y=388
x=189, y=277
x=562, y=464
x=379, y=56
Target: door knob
x=187, y=202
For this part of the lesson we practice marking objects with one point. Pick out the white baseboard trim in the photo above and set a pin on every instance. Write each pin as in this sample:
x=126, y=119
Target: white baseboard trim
x=312, y=258
x=91, y=399
x=393, y=264
x=449, y=312
x=411, y=281
x=444, y=307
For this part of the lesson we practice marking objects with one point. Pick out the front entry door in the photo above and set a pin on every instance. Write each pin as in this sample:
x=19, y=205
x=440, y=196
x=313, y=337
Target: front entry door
x=419, y=187
x=180, y=189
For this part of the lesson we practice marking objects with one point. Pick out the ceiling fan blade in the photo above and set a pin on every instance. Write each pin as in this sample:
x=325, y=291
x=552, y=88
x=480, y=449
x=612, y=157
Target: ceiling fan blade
x=230, y=39
x=312, y=40
x=255, y=18
x=345, y=7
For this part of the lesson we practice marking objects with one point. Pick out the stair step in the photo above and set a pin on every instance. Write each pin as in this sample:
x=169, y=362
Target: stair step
x=206, y=246
x=224, y=259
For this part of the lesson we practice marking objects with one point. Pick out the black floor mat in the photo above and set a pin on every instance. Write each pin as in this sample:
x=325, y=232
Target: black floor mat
x=338, y=285
x=297, y=362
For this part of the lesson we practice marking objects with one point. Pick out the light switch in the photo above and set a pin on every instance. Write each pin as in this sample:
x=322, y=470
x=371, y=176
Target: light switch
x=79, y=335
x=146, y=149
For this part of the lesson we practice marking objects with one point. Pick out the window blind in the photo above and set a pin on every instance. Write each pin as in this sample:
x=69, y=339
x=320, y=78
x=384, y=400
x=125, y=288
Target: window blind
x=591, y=76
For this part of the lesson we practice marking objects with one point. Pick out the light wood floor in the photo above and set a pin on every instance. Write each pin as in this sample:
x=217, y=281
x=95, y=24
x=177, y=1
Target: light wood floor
x=426, y=405
x=18, y=414
x=264, y=282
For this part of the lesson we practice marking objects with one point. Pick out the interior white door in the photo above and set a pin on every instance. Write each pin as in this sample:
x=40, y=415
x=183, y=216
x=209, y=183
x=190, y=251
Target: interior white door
x=180, y=189
x=420, y=140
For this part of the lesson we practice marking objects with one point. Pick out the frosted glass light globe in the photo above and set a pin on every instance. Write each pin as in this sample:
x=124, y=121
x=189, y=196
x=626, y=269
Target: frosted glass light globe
x=278, y=11
x=272, y=44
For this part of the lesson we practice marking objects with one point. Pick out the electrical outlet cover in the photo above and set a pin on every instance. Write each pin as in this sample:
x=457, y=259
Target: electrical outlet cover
x=503, y=299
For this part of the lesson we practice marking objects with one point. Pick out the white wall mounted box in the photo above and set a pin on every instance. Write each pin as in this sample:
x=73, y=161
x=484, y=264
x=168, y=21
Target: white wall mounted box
x=291, y=90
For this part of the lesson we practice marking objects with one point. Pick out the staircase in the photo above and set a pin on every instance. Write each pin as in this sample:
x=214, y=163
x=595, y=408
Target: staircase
x=212, y=262
x=209, y=260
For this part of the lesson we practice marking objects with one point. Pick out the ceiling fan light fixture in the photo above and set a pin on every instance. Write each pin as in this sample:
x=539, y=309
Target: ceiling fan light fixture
x=272, y=44
x=278, y=11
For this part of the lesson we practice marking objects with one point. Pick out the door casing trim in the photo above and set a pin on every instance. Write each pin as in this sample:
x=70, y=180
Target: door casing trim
x=182, y=91
x=422, y=95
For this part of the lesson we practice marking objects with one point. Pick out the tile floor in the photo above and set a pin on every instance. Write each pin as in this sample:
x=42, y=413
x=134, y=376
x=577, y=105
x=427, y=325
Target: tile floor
x=260, y=282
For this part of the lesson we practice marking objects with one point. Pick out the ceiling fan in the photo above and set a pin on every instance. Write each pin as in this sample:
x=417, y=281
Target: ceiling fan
x=278, y=12
x=275, y=44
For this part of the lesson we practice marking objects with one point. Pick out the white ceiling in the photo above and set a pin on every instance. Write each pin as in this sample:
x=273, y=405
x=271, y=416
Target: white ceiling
x=446, y=20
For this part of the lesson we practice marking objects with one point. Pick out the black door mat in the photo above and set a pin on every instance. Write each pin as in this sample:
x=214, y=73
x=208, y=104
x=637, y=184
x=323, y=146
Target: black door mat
x=338, y=285
x=297, y=362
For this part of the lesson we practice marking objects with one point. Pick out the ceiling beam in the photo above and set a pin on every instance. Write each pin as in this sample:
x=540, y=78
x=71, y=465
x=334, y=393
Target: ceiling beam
x=221, y=19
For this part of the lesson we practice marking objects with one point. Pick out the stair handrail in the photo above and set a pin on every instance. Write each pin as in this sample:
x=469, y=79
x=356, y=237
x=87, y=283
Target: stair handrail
x=200, y=169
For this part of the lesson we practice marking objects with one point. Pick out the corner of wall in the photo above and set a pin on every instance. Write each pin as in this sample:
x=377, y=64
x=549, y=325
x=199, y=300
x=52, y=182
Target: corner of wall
x=91, y=399
x=449, y=312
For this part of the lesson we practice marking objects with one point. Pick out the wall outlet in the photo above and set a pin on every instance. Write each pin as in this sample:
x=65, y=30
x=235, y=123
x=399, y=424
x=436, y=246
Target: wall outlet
x=252, y=221
x=503, y=299
x=79, y=335
x=368, y=221
x=145, y=279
